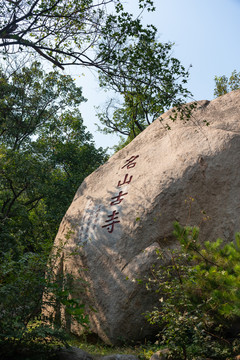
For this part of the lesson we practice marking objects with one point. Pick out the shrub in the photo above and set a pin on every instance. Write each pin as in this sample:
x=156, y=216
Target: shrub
x=24, y=277
x=199, y=305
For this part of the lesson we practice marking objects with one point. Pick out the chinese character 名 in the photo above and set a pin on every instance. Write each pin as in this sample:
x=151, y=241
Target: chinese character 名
x=130, y=162
x=111, y=221
x=125, y=181
x=118, y=199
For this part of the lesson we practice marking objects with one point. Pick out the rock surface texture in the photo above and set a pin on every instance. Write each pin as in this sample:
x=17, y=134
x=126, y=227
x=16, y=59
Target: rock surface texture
x=125, y=210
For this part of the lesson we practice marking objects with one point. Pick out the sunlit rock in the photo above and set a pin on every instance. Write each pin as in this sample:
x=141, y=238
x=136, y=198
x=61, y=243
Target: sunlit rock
x=125, y=210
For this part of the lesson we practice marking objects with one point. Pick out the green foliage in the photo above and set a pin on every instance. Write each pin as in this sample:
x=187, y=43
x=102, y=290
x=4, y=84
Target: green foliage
x=60, y=31
x=223, y=85
x=45, y=153
x=93, y=345
x=105, y=37
x=23, y=279
x=198, y=314
x=144, y=74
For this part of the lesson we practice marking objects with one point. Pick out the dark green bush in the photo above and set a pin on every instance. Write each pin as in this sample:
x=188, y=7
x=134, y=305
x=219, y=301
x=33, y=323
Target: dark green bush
x=199, y=305
x=24, y=278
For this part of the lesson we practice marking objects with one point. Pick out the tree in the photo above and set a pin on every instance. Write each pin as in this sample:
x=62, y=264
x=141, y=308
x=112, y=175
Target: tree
x=45, y=153
x=127, y=55
x=147, y=78
x=198, y=313
x=60, y=31
x=223, y=85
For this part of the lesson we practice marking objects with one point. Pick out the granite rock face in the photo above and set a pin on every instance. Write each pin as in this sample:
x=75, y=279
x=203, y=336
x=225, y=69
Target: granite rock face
x=125, y=210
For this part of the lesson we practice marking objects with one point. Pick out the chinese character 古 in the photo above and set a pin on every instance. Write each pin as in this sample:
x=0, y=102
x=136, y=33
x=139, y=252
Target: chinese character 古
x=117, y=199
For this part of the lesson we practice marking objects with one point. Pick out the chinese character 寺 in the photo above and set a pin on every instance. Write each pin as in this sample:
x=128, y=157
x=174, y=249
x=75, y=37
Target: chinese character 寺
x=130, y=162
x=125, y=181
x=111, y=221
x=118, y=199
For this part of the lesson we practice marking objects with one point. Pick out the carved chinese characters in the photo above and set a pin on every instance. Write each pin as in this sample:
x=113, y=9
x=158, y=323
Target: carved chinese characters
x=111, y=221
x=123, y=213
x=106, y=217
x=113, y=217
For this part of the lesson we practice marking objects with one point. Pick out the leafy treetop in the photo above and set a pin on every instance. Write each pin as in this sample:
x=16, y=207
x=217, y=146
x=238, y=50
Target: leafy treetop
x=223, y=85
x=61, y=31
x=45, y=153
x=146, y=77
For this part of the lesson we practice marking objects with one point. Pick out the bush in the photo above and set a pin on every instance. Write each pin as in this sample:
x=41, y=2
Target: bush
x=200, y=298
x=24, y=277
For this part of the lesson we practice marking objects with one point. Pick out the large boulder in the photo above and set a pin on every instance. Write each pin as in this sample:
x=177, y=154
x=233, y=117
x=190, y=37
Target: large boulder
x=125, y=210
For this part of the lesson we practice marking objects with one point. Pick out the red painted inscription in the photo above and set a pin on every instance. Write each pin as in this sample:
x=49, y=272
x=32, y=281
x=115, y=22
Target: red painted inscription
x=130, y=162
x=118, y=199
x=125, y=181
x=111, y=221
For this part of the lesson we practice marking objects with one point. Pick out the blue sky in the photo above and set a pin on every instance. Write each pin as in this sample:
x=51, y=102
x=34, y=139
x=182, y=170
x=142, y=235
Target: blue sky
x=206, y=35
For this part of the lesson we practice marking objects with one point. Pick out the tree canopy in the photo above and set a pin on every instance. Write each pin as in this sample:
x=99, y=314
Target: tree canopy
x=101, y=35
x=45, y=152
x=223, y=84
x=61, y=31
x=147, y=77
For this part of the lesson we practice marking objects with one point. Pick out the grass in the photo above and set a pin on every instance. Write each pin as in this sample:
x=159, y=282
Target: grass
x=95, y=346
x=90, y=343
